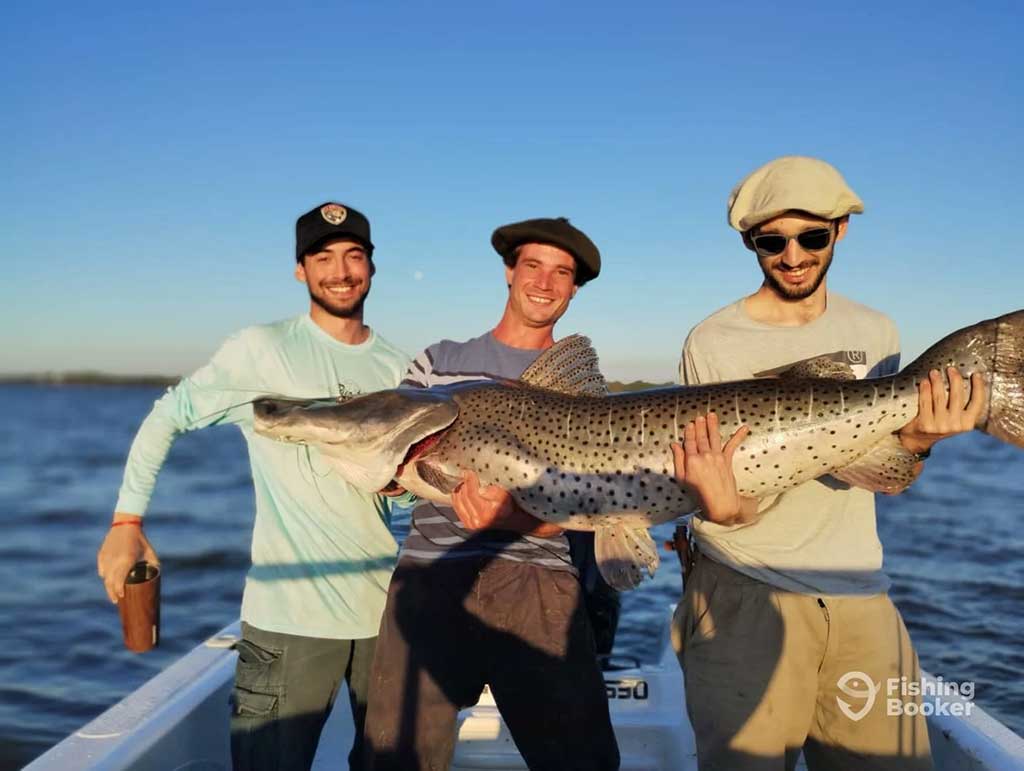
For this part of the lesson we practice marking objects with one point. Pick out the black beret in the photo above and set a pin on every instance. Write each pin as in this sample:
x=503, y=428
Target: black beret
x=557, y=232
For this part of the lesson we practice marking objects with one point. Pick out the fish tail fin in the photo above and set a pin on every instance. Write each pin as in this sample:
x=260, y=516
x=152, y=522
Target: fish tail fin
x=622, y=555
x=994, y=348
x=1005, y=418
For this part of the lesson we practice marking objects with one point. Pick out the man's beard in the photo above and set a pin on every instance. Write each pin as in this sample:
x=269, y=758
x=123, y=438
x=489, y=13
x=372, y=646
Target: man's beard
x=788, y=292
x=341, y=311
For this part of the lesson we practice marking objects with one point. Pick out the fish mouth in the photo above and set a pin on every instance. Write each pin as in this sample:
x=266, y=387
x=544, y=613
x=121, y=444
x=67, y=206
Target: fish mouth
x=418, y=449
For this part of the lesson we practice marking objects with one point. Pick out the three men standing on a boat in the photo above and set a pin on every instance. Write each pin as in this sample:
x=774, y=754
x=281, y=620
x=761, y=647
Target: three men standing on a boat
x=787, y=594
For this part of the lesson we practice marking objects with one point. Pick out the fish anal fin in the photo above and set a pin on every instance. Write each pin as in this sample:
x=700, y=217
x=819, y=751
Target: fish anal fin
x=570, y=366
x=436, y=478
x=623, y=553
x=888, y=467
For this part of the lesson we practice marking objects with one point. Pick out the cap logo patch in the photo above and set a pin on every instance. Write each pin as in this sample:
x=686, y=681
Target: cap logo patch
x=333, y=213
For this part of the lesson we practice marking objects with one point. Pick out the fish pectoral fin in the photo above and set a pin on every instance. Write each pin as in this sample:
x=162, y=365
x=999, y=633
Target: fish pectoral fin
x=436, y=478
x=570, y=367
x=367, y=477
x=888, y=467
x=622, y=555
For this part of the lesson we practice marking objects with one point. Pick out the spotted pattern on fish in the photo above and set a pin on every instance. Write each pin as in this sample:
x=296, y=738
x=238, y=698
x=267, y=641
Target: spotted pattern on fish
x=598, y=460
x=587, y=461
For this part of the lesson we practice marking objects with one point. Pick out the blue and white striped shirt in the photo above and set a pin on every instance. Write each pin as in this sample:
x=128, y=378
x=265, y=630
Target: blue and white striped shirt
x=436, y=531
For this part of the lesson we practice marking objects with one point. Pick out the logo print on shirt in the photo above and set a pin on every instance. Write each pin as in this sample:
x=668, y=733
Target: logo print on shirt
x=855, y=360
x=346, y=392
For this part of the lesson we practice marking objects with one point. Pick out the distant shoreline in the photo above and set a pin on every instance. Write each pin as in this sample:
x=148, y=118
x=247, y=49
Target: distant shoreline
x=88, y=378
x=104, y=379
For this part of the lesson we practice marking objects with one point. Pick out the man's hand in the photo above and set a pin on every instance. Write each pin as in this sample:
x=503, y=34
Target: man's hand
x=941, y=413
x=393, y=490
x=493, y=508
x=122, y=548
x=703, y=465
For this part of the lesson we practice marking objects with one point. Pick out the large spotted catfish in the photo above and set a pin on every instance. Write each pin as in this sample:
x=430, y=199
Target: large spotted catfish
x=571, y=454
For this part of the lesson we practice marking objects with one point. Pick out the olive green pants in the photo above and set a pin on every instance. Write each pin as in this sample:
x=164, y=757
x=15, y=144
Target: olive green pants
x=770, y=672
x=285, y=688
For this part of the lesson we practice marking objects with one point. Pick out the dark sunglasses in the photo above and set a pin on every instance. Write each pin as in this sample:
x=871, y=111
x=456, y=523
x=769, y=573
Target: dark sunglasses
x=770, y=244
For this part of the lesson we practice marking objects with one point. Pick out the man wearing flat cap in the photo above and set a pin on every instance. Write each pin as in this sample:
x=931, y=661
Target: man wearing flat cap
x=484, y=593
x=786, y=630
x=308, y=625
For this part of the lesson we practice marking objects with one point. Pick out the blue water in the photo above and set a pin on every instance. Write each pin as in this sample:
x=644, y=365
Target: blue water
x=953, y=544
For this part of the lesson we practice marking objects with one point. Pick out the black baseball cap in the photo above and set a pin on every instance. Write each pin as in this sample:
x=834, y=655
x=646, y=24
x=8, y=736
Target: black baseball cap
x=557, y=232
x=330, y=220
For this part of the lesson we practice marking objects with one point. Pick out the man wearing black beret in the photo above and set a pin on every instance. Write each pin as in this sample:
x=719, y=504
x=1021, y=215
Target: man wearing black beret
x=484, y=593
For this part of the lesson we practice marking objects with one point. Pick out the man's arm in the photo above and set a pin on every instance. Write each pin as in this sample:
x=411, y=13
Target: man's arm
x=704, y=465
x=418, y=375
x=211, y=395
x=707, y=473
x=488, y=508
x=397, y=495
x=943, y=413
x=493, y=508
x=692, y=368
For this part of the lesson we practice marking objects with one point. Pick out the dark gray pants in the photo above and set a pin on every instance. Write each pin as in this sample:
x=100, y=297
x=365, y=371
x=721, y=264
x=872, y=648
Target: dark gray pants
x=453, y=625
x=285, y=687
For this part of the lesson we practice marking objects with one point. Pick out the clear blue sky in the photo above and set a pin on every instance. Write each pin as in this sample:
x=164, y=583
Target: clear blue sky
x=155, y=156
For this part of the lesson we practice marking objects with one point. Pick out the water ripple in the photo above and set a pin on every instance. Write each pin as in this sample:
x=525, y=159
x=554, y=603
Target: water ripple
x=954, y=550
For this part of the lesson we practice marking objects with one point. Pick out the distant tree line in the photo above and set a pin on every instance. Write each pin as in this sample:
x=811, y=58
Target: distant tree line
x=102, y=378
x=637, y=385
x=88, y=378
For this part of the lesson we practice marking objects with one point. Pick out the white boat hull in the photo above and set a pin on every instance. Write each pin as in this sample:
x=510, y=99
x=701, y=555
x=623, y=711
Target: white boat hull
x=179, y=720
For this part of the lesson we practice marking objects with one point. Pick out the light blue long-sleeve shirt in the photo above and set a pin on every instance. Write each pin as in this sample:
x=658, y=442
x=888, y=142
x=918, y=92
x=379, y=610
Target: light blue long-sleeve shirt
x=322, y=550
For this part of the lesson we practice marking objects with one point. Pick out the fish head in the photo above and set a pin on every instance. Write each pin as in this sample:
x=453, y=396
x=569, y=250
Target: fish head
x=366, y=438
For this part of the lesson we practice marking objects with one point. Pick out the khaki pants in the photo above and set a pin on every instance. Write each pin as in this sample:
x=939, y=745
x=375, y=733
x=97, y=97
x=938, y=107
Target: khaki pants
x=767, y=674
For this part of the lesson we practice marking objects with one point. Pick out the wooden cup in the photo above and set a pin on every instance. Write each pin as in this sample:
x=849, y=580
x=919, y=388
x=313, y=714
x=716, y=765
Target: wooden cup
x=140, y=608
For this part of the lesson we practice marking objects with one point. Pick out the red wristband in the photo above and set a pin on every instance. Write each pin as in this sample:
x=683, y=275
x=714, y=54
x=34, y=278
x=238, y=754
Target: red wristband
x=127, y=522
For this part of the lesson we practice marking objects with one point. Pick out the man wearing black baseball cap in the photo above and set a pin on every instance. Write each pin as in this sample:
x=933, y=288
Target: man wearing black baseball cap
x=330, y=221
x=484, y=593
x=327, y=235
x=306, y=623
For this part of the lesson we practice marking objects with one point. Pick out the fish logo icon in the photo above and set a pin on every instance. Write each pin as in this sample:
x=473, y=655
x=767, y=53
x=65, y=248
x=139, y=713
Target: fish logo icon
x=860, y=686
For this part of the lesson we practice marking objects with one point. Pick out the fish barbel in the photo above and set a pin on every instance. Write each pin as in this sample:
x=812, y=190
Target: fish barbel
x=572, y=454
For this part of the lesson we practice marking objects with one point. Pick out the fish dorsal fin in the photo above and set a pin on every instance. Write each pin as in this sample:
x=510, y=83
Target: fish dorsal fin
x=888, y=467
x=820, y=367
x=570, y=367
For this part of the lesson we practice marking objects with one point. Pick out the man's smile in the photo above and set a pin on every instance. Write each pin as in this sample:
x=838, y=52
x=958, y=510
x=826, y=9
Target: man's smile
x=341, y=290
